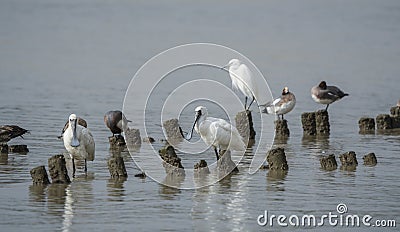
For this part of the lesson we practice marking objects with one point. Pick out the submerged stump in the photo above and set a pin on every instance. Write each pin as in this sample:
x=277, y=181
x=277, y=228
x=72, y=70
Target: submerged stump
x=281, y=128
x=58, y=170
x=201, y=168
x=328, y=163
x=276, y=159
x=172, y=163
x=117, y=169
x=244, y=124
x=366, y=125
x=384, y=122
x=22, y=149
x=395, y=111
x=3, y=148
x=370, y=159
x=132, y=137
x=39, y=176
x=348, y=159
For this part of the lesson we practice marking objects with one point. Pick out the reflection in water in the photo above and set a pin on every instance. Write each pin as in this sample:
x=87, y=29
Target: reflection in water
x=316, y=143
x=276, y=180
x=37, y=192
x=171, y=180
x=3, y=158
x=116, y=190
x=68, y=210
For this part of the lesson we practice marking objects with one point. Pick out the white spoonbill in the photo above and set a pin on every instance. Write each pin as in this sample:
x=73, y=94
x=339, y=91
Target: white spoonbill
x=116, y=121
x=79, y=142
x=325, y=94
x=243, y=80
x=281, y=105
x=216, y=132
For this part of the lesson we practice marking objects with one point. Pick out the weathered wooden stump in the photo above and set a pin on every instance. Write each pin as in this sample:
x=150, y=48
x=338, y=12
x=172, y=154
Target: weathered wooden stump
x=58, y=170
x=132, y=137
x=117, y=141
x=276, y=159
x=4, y=148
x=395, y=121
x=370, y=159
x=348, y=159
x=395, y=111
x=322, y=122
x=116, y=167
x=384, y=122
x=315, y=123
x=201, y=168
x=172, y=163
x=328, y=163
x=281, y=128
x=39, y=176
x=171, y=128
x=309, y=124
x=366, y=125
x=244, y=124
x=225, y=165
x=22, y=149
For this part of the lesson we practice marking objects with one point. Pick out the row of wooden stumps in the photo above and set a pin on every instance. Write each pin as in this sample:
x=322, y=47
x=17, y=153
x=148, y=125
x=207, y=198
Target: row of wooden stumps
x=348, y=161
x=384, y=122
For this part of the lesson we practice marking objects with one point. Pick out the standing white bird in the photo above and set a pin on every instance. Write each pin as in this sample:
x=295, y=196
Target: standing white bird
x=79, y=142
x=243, y=80
x=216, y=132
x=326, y=95
x=281, y=105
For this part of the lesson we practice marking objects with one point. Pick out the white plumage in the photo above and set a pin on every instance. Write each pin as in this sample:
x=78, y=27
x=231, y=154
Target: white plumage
x=217, y=132
x=79, y=142
x=281, y=105
x=242, y=79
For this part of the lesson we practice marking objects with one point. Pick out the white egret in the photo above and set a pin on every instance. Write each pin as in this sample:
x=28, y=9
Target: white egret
x=79, y=142
x=281, y=105
x=326, y=95
x=216, y=132
x=243, y=80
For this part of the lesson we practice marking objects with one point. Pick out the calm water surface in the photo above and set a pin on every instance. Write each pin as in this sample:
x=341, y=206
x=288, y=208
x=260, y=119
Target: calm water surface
x=60, y=57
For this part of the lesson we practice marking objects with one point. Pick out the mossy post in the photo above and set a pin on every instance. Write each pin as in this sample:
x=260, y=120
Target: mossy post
x=39, y=176
x=328, y=163
x=244, y=124
x=276, y=159
x=366, y=125
x=370, y=159
x=58, y=170
x=308, y=123
x=117, y=169
x=281, y=128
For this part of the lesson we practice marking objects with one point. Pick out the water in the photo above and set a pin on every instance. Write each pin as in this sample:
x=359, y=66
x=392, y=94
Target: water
x=61, y=57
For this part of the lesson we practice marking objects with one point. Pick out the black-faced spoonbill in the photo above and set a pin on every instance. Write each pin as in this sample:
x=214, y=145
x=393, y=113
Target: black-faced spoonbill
x=216, y=132
x=281, y=105
x=243, y=80
x=325, y=94
x=116, y=121
x=79, y=142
